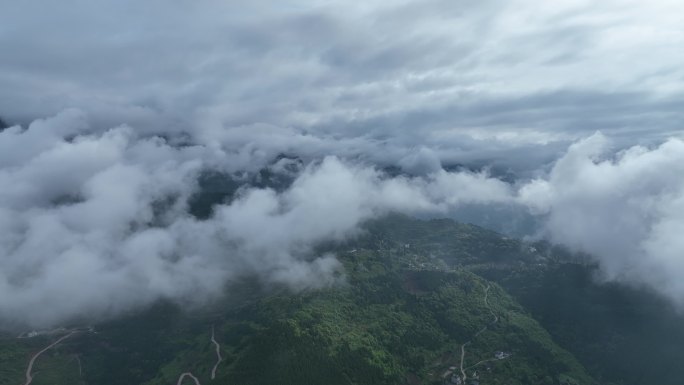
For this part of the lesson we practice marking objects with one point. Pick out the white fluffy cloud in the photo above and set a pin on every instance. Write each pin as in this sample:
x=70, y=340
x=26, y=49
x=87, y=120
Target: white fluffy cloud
x=98, y=223
x=93, y=208
x=624, y=209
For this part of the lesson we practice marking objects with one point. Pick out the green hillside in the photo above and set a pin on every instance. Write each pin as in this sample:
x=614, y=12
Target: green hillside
x=402, y=317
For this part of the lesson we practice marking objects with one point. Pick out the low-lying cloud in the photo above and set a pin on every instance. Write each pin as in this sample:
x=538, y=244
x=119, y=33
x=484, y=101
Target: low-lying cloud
x=430, y=107
x=98, y=223
x=624, y=209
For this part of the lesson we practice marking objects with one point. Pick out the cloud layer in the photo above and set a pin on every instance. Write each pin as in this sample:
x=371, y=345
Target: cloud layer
x=481, y=80
x=99, y=223
x=625, y=209
x=384, y=106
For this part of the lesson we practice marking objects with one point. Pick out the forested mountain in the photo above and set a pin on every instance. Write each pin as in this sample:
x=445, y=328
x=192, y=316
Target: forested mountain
x=423, y=302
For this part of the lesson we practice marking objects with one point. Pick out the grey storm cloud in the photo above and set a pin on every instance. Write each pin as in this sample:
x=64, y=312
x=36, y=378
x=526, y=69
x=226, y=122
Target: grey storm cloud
x=532, y=73
x=116, y=108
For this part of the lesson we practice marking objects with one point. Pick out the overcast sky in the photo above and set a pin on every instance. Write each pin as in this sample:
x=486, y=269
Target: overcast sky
x=582, y=100
x=464, y=74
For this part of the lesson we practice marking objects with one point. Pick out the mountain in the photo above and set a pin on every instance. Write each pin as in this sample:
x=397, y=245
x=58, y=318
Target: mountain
x=421, y=301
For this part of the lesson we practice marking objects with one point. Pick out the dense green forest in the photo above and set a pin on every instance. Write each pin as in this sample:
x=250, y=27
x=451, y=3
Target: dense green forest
x=415, y=293
x=622, y=335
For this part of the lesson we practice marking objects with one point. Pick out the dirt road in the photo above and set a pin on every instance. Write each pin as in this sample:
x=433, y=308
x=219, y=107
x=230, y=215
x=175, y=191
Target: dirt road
x=29, y=376
x=187, y=374
x=464, y=376
x=218, y=354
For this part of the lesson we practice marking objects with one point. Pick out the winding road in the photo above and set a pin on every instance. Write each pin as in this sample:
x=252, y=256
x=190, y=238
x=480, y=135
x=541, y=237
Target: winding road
x=213, y=370
x=29, y=369
x=218, y=354
x=187, y=374
x=29, y=376
x=464, y=376
x=463, y=373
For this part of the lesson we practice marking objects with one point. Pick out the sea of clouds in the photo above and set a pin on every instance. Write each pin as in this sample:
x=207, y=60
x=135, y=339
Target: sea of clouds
x=97, y=222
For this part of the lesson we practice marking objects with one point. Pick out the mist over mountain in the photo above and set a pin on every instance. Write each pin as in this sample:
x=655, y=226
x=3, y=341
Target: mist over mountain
x=163, y=152
x=299, y=192
x=105, y=219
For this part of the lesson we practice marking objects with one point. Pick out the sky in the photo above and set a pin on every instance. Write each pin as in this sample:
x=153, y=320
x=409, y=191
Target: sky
x=568, y=111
